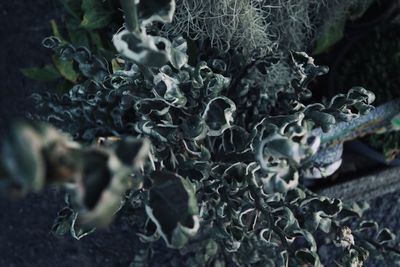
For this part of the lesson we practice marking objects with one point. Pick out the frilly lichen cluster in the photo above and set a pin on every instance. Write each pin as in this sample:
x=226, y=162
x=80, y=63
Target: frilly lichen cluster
x=220, y=157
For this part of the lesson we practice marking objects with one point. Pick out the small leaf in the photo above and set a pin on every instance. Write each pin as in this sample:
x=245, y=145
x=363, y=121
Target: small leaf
x=117, y=65
x=66, y=69
x=22, y=159
x=56, y=30
x=396, y=122
x=77, y=35
x=330, y=36
x=63, y=86
x=169, y=89
x=96, y=14
x=105, y=178
x=47, y=73
x=73, y=7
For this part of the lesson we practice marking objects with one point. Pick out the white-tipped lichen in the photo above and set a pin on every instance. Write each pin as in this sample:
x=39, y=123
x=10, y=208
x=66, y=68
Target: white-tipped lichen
x=258, y=27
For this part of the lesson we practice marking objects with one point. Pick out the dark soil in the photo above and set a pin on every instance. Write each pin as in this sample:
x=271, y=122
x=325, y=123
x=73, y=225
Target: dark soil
x=23, y=26
x=25, y=238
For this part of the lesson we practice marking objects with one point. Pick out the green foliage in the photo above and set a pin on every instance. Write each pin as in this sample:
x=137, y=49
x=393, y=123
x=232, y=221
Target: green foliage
x=219, y=178
x=331, y=36
x=89, y=24
x=396, y=121
x=332, y=30
x=66, y=69
x=47, y=73
x=96, y=15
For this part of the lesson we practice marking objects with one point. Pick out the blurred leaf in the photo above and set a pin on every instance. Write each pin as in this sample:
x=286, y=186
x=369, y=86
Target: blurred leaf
x=96, y=14
x=116, y=65
x=47, y=73
x=151, y=51
x=56, y=30
x=63, y=86
x=77, y=35
x=330, y=36
x=333, y=30
x=62, y=223
x=66, y=69
x=396, y=122
x=96, y=39
x=73, y=7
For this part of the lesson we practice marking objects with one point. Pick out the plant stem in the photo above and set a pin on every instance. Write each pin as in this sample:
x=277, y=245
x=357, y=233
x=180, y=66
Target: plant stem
x=377, y=120
x=131, y=15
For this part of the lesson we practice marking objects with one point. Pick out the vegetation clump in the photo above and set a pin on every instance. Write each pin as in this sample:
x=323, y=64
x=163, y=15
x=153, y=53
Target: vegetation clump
x=207, y=157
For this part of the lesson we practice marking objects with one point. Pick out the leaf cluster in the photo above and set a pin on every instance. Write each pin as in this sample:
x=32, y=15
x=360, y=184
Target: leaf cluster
x=220, y=176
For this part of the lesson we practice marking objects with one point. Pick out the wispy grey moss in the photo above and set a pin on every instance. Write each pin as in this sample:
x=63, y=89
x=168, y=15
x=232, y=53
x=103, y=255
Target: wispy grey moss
x=258, y=27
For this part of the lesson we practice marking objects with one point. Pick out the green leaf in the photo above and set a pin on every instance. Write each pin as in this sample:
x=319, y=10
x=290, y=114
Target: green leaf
x=172, y=206
x=77, y=35
x=396, y=122
x=63, y=86
x=47, y=73
x=73, y=7
x=97, y=14
x=330, y=36
x=105, y=179
x=66, y=69
x=56, y=30
x=96, y=39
